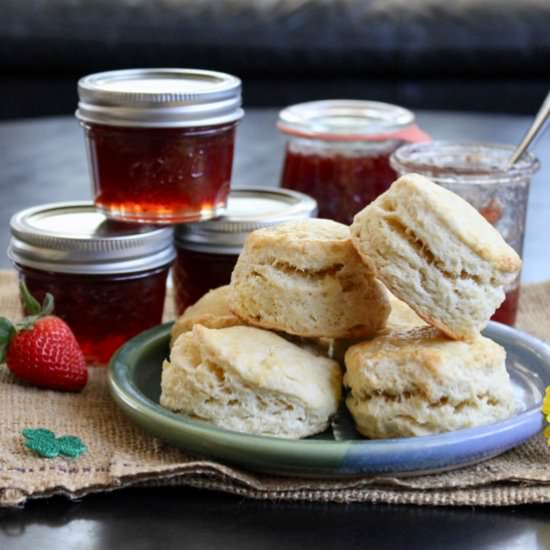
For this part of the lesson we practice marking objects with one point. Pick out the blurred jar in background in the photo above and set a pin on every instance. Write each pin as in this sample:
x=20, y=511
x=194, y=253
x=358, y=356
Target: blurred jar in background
x=338, y=151
x=478, y=172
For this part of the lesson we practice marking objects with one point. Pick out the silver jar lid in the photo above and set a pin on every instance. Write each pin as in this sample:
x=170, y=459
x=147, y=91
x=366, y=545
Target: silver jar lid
x=343, y=119
x=159, y=98
x=248, y=208
x=73, y=237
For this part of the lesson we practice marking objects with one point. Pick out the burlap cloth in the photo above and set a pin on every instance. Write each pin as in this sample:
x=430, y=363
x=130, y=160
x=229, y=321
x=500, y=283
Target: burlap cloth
x=121, y=455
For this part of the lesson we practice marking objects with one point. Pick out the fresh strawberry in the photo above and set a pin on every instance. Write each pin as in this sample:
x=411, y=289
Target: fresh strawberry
x=42, y=349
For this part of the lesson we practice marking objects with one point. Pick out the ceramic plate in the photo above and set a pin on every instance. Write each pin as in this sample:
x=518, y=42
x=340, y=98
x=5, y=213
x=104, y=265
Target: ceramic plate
x=134, y=379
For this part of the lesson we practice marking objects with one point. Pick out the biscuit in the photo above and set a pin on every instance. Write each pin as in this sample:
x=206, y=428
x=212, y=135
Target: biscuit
x=305, y=278
x=250, y=380
x=417, y=382
x=212, y=311
x=402, y=316
x=435, y=252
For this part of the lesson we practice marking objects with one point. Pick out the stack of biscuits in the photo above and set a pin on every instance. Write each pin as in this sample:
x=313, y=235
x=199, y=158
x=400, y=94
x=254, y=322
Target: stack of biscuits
x=400, y=298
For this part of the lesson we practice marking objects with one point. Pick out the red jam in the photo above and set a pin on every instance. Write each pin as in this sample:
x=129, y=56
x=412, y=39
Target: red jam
x=160, y=174
x=342, y=184
x=195, y=273
x=104, y=311
x=338, y=151
x=506, y=313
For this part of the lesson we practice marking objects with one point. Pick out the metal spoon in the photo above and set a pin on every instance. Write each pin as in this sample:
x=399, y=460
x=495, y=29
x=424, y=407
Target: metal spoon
x=535, y=128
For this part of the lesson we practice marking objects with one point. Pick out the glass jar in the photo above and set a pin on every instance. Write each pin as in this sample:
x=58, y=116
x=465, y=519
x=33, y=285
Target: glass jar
x=160, y=142
x=480, y=174
x=338, y=151
x=108, y=278
x=207, y=251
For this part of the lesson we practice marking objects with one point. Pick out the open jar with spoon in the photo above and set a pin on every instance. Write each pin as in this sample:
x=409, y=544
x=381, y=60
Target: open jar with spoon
x=481, y=174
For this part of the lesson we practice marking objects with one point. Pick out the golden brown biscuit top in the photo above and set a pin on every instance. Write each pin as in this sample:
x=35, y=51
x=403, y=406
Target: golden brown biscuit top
x=453, y=213
x=425, y=349
x=212, y=311
x=315, y=229
x=313, y=245
x=267, y=361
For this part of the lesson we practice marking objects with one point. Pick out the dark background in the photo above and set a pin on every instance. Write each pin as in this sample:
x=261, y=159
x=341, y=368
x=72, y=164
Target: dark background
x=476, y=55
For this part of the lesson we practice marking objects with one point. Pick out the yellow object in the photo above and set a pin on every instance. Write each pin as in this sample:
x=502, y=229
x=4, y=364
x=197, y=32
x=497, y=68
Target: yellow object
x=546, y=411
x=546, y=403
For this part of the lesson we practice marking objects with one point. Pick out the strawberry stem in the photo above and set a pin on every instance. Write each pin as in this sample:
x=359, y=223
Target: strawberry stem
x=47, y=305
x=30, y=303
x=33, y=308
x=7, y=330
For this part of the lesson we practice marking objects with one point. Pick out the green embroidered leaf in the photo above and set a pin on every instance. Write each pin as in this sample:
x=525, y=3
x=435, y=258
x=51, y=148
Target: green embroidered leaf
x=38, y=433
x=71, y=446
x=41, y=441
x=44, y=443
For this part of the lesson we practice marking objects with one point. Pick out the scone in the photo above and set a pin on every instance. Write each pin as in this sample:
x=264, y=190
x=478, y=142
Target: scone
x=418, y=382
x=402, y=316
x=212, y=311
x=250, y=380
x=305, y=278
x=435, y=252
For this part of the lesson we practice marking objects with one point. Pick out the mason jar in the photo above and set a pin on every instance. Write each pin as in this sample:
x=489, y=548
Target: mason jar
x=160, y=142
x=108, y=278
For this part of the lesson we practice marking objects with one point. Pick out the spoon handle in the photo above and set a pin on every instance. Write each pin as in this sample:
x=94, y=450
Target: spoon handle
x=537, y=125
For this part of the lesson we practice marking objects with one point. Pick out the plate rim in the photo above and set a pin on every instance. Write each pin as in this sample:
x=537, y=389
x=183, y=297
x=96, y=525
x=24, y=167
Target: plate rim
x=125, y=391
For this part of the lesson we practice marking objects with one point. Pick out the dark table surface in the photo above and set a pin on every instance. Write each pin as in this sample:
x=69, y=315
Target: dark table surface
x=43, y=160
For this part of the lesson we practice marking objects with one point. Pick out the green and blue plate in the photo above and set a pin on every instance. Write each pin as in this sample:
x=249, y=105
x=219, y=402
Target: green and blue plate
x=134, y=379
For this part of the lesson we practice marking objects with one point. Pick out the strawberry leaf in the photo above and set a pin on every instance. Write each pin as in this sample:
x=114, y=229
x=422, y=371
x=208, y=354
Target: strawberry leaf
x=32, y=308
x=30, y=303
x=7, y=330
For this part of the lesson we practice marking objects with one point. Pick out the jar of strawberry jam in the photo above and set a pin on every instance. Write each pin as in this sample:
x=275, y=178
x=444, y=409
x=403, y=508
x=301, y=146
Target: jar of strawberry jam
x=207, y=251
x=108, y=278
x=338, y=151
x=160, y=142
